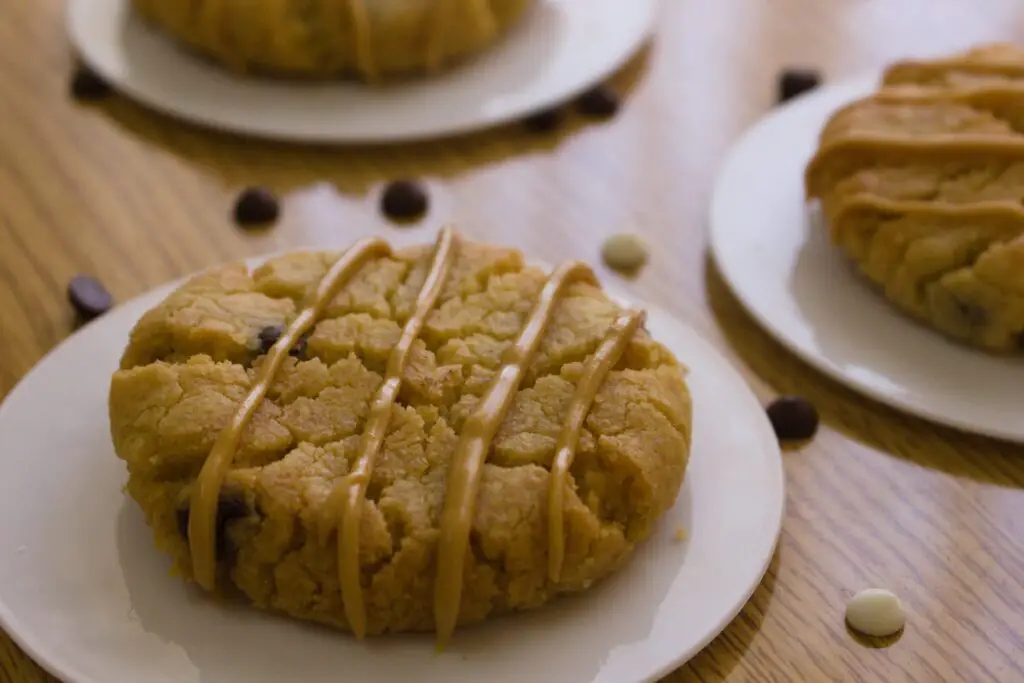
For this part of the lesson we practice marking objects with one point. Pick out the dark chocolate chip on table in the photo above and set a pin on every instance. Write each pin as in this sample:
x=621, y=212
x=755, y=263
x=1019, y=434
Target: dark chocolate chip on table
x=793, y=418
x=793, y=82
x=256, y=206
x=545, y=121
x=86, y=84
x=229, y=509
x=600, y=101
x=89, y=297
x=404, y=200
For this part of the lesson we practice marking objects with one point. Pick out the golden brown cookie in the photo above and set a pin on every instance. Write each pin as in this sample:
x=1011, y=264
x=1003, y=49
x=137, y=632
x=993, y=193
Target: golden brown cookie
x=948, y=265
x=922, y=184
x=435, y=436
x=992, y=63
x=368, y=39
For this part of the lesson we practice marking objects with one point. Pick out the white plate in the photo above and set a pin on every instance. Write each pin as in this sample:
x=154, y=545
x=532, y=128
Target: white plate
x=805, y=293
x=561, y=48
x=84, y=592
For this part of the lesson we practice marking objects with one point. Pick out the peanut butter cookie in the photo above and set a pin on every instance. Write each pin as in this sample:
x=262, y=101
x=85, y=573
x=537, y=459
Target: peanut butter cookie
x=368, y=39
x=922, y=185
x=386, y=441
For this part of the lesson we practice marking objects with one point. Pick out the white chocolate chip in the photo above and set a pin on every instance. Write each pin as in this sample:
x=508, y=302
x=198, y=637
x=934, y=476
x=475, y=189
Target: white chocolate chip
x=875, y=612
x=624, y=252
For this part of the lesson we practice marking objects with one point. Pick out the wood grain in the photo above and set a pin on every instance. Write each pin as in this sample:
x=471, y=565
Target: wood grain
x=877, y=498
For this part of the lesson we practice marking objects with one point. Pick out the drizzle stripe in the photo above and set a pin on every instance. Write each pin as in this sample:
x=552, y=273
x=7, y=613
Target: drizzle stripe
x=201, y=525
x=353, y=487
x=600, y=364
x=466, y=467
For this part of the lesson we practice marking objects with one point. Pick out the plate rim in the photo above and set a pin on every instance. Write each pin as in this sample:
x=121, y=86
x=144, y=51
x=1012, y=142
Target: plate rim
x=775, y=502
x=479, y=124
x=856, y=84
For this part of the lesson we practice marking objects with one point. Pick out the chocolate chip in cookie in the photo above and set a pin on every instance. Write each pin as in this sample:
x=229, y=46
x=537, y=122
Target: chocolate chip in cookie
x=299, y=350
x=971, y=313
x=793, y=418
x=229, y=509
x=793, y=82
x=268, y=336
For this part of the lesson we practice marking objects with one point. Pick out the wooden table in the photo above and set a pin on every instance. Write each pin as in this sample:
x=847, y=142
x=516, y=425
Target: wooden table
x=878, y=498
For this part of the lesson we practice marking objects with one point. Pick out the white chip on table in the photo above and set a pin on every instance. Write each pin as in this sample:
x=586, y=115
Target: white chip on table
x=624, y=251
x=875, y=612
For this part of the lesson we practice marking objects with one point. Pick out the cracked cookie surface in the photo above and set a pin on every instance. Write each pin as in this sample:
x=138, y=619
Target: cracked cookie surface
x=192, y=360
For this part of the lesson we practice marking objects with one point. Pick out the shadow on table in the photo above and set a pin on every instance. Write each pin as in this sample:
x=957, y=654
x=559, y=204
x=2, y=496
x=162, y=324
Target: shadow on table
x=716, y=661
x=918, y=441
x=240, y=161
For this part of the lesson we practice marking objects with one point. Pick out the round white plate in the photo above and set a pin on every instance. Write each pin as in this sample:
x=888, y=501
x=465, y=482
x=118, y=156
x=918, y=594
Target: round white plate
x=85, y=593
x=800, y=288
x=561, y=48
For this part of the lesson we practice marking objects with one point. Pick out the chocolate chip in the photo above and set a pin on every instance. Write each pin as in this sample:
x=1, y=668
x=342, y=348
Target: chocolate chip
x=971, y=313
x=793, y=418
x=600, y=102
x=545, y=121
x=793, y=82
x=404, y=200
x=268, y=336
x=256, y=206
x=89, y=297
x=87, y=85
x=299, y=350
x=229, y=509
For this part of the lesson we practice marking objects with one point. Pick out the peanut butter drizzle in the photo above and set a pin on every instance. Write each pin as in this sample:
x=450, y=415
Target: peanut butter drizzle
x=902, y=146
x=203, y=505
x=600, y=364
x=352, y=488
x=1005, y=210
x=466, y=467
x=911, y=71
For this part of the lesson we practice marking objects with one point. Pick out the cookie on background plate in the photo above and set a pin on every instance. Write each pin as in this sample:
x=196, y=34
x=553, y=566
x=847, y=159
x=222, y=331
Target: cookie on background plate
x=368, y=39
x=399, y=440
x=921, y=185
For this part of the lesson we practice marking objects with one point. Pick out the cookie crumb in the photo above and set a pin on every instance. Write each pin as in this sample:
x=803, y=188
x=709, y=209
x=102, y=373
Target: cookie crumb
x=875, y=612
x=680, y=535
x=624, y=252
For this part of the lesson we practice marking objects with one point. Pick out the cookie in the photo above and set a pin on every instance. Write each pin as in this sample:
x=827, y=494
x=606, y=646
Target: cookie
x=921, y=184
x=463, y=436
x=985, y=64
x=951, y=266
x=371, y=40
